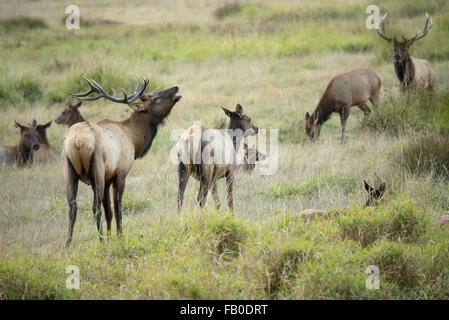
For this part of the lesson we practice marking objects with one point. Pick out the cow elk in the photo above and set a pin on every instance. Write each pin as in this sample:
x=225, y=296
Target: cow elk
x=375, y=194
x=101, y=154
x=412, y=73
x=22, y=154
x=212, y=154
x=70, y=115
x=45, y=154
x=345, y=90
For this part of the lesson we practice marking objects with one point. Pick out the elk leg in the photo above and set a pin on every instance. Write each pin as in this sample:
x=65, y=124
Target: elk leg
x=202, y=194
x=343, y=118
x=215, y=195
x=119, y=188
x=183, y=179
x=71, y=182
x=366, y=110
x=98, y=187
x=107, y=208
x=229, y=185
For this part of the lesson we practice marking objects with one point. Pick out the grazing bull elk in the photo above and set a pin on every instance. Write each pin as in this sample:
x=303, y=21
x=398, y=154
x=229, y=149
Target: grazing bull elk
x=70, y=115
x=211, y=154
x=345, y=90
x=101, y=154
x=412, y=73
x=45, y=154
x=22, y=154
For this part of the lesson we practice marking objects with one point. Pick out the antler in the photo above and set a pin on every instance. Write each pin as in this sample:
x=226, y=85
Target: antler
x=427, y=27
x=381, y=30
x=95, y=87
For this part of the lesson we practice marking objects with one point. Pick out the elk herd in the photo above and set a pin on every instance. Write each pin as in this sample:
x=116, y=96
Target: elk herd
x=101, y=154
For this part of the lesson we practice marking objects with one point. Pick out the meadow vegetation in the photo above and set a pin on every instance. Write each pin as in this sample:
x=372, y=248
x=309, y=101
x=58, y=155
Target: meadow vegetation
x=276, y=59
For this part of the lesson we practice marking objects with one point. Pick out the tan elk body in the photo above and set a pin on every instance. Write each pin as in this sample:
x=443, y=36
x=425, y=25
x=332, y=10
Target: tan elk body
x=212, y=154
x=413, y=73
x=353, y=88
x=101, y=154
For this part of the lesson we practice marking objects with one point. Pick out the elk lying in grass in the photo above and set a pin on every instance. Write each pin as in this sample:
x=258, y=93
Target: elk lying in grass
x=251, y=155
x=412, y=73
x=101, y=154
x=345, y=90
x=45, y=154
x=375, y=196
x=212, y=154
x=22, y=154
x=70, y=115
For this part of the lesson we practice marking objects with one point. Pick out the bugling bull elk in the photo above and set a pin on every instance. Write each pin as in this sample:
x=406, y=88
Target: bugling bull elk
x=45, y=154
x=101, y=154
x=70, y=115
x=211, y=154
x=412, y=73
x=22, y=154
x=345, y=90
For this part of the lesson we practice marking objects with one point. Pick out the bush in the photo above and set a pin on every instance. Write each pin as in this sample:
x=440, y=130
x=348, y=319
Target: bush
x=22, y=23
x=424, y=154
x=227, y=9
x=395, y=264
x=20, y=92
x=400, y=222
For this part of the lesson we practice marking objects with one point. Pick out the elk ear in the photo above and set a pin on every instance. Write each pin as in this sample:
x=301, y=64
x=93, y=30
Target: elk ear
x=18, y=125
x=137, y=106
x=382, y=188
x=227, y=112
x=48, y=124
x=307, y=116
x=239, y=109
x=245, y=147
x=368, y=188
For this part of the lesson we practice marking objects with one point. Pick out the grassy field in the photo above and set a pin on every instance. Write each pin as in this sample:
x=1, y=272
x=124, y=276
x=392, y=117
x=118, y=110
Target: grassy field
x=275, y=58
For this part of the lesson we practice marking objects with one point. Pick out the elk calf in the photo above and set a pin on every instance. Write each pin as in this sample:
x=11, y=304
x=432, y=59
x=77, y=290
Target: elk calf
x=375, y=195
x=70, y=115
x=349, y=89
x=22, y=154
x=101, y=154
x=45, y=154
x=412, y=73
x=211, y=154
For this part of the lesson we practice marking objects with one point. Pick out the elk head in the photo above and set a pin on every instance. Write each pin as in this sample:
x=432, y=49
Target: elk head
x=157, y=105
x=312, y=127
x=401, y=48
x=251, y=156
x=240, y=121
x=70, y=115
x=374, y=194
x=42, y=132
x=28, y=136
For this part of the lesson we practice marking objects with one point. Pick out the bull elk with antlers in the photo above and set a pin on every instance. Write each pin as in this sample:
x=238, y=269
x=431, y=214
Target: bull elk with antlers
x=412, y=73
x=101, y=154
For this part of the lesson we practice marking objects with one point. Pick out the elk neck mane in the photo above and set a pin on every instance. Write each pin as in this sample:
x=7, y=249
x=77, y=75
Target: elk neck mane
x=405, y=71
x=24, y=156
x=325, y=107
x=143, y=129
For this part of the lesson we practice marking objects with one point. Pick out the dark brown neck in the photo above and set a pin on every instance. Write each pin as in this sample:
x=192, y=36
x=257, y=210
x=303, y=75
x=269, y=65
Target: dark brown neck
x=142, y=128
x=42, y=138
x=24, y=156
x=75, y=118
x=324, y=109
x=236, y=136
x=405, y=71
